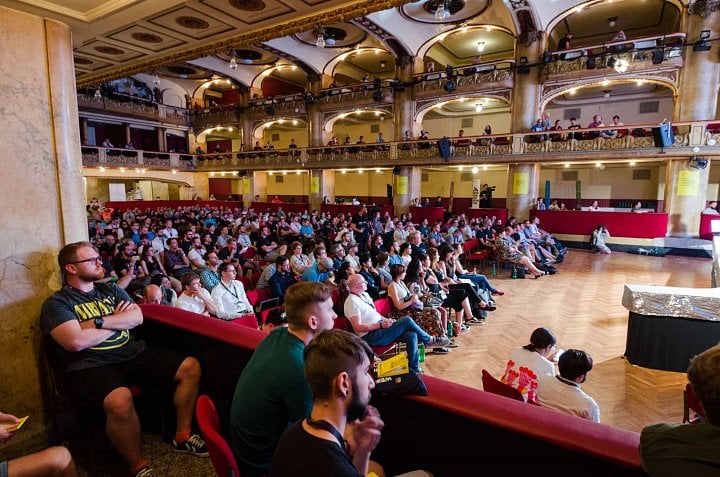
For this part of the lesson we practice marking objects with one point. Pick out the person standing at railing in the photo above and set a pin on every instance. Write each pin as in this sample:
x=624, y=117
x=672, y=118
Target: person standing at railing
x=564, y=44
x=107, y=143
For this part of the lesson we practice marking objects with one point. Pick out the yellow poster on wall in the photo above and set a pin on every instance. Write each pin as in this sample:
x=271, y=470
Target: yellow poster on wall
x=521, y=183
x=314, y=185
x=246, y=185
x=402, y=185
x=688, y=183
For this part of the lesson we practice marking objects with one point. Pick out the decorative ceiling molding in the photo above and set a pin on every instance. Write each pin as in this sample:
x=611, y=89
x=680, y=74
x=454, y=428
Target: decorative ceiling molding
x=246, y=38
x=102, y=10
x=703, y=7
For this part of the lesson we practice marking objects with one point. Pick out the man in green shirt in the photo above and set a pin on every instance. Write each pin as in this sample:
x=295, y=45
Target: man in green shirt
x=271, y=392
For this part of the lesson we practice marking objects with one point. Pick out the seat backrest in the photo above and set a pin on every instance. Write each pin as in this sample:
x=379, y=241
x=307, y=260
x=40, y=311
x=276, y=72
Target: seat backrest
x=495, y=386
x=383, y=306
x=221, y=455
x=256, y=296
x=246, y=320
x=691, y=403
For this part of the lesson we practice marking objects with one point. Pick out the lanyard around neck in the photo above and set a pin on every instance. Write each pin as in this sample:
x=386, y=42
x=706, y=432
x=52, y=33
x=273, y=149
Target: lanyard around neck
x=326, y=426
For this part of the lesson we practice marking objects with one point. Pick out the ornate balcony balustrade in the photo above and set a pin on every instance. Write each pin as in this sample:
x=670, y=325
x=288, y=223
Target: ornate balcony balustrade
x=642, y=55
x=475, y=78
x=121, y=104
x=625, y=142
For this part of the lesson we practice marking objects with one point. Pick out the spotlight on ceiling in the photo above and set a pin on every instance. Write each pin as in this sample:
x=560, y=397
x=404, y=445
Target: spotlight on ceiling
x=320, y=42
x=247, y=61
x=612, y=21
x=450, y=85
x=480, y=46
x=478, y=107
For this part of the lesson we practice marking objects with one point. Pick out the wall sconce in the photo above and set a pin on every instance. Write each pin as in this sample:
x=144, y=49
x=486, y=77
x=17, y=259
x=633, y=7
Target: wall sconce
x=523, y=68
x=702, y=44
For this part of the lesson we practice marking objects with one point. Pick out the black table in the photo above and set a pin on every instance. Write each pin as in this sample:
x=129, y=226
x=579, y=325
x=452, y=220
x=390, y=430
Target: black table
x=668, y=343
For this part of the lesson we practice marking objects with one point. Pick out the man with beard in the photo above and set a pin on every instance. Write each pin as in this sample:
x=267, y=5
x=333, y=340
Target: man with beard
x=342, y=430
x=271, y=392
x=338, y=371
x=90, y=325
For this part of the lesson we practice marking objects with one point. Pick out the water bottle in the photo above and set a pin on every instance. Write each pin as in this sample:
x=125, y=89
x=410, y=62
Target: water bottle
x=514, y=273
x=450, y=329
x=494, y=269
x=421, y=352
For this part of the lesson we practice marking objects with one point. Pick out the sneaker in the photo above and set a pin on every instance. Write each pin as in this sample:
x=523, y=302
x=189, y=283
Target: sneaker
x=438, y=341
x=440, y=350
x=474, y=321
x=145, y=472
x=452, y=344
x=498, y=293
x=195, y=446
x=464, y=327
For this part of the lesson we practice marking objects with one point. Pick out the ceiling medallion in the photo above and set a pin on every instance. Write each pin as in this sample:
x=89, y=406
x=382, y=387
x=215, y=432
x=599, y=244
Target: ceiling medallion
x=82, y=61
x=109, y=50
x=193, y=23
x=182, y=70
x=146, y=37
x=248, y=5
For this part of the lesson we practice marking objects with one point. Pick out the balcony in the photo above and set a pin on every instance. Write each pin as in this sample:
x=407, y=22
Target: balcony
x=133, y=106
x=497, y=75
x=635, y=141
x=643, y=55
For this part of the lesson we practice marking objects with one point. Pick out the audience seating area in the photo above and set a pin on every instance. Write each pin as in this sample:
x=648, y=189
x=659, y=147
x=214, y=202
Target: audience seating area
x=451, y=431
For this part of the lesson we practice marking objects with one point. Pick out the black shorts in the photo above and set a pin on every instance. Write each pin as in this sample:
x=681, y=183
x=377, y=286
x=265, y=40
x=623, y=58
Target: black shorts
x=153, y=371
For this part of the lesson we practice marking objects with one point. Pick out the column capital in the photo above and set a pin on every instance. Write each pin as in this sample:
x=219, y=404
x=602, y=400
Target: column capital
x=703, y=7
x=402, y=61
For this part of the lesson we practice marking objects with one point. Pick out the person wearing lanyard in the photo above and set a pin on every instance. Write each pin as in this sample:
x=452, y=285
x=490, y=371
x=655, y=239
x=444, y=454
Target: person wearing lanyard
x=229, y=295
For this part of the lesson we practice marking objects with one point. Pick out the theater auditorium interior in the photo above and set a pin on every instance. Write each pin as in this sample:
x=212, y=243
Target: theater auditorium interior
x=321, y=104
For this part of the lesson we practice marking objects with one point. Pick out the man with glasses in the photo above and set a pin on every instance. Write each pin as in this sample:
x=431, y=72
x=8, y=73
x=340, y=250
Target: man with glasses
x=90, y=325
x=229, y=296
x=378, y=330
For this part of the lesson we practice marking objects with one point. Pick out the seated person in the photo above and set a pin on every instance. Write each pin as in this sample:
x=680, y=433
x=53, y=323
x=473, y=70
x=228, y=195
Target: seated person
x=528, y=363
x=271, y=392
x=378, y=330
x=338, y=371
x=86, y=320
x=194, y=297
x=670, y=449
x=711, y=208
x=537, y=127
x=51, y=462
x=563, y=393
x=276, y=318
x=321, y=272
x=229, y=296
x=281, y=280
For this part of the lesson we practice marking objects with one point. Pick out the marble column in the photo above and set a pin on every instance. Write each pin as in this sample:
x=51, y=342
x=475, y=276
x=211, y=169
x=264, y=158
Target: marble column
x=522, y=188
x=43, y=194
x=245, y=125
x=314, y=114
x=701, y=70
x=685, y=194
x=404, y=104
x=406, y=185
x=526, y=93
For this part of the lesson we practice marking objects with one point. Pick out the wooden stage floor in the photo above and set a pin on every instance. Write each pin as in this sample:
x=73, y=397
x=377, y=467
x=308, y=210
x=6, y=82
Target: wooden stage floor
x=582, y=305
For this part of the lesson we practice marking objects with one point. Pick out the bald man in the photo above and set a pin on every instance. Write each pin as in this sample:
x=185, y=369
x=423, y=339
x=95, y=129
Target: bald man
x=153, y=294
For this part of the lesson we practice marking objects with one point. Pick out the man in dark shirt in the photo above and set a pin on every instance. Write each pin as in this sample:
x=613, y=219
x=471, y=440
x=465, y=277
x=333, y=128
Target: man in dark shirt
x=338, y=371
x=283, y=277
x=90, y=324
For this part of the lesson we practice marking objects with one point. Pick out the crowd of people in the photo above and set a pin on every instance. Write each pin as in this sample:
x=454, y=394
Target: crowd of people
x=545, y=124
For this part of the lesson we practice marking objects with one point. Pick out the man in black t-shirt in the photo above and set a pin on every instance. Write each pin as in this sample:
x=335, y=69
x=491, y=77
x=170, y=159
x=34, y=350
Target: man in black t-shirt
x=90, y=324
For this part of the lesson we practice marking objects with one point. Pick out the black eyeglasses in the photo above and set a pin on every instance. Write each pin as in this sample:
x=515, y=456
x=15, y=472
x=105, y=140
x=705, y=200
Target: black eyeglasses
x=88, y=260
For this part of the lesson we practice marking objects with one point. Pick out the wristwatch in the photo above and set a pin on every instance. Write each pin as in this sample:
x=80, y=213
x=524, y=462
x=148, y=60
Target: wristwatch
x=99, y=322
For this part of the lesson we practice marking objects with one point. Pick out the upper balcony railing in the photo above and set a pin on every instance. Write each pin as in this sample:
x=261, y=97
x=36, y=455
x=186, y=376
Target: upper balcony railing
x=490, y=75
x=639, y=53
x=609, y=143
x=134, y=106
